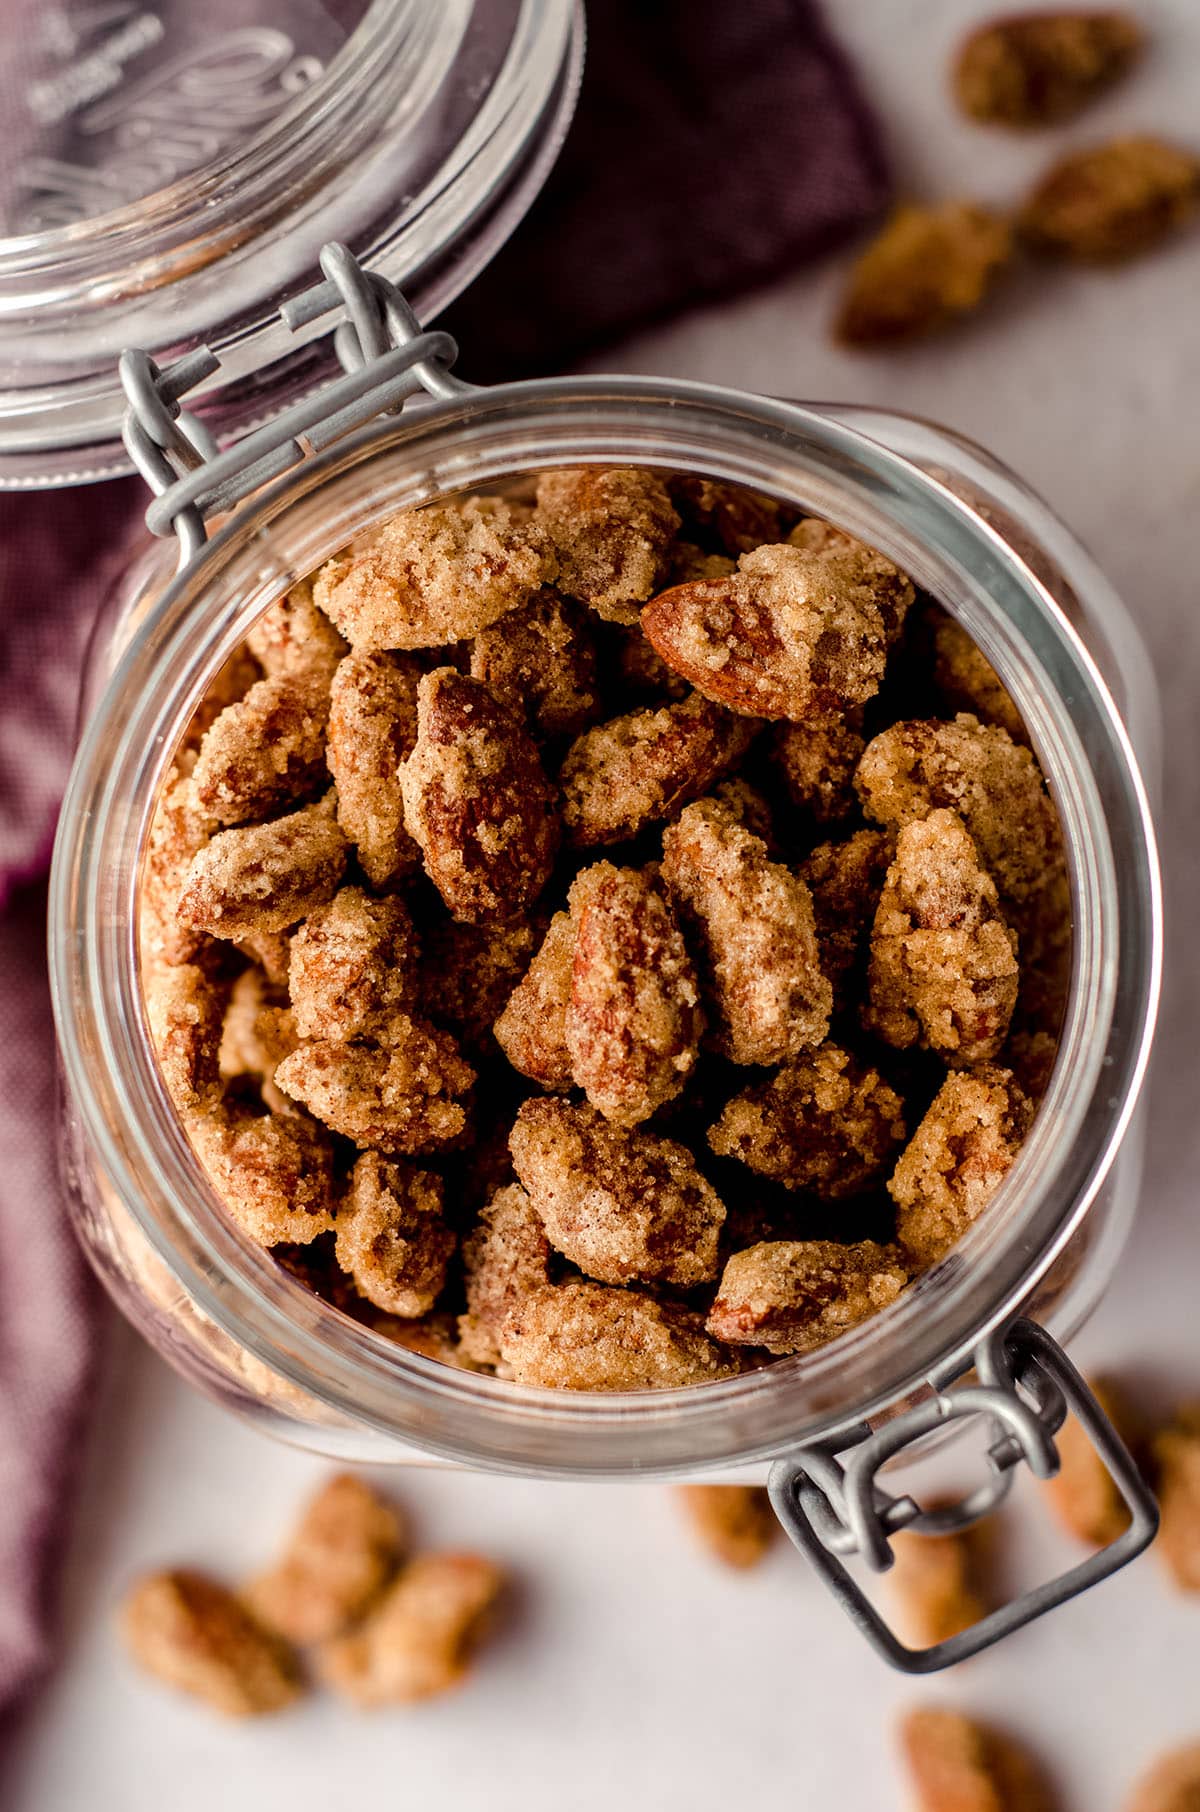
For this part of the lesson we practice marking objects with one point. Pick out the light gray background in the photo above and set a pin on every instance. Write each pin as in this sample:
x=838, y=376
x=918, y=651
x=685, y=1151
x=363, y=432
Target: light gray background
x=635, y=1668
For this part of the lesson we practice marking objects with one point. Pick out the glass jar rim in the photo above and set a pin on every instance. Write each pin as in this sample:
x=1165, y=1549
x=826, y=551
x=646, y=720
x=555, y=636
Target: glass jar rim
x=208, y=258
x=829, y=469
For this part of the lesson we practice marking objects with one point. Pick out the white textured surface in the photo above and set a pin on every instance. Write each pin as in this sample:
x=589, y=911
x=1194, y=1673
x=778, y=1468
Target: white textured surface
x=635, y=1670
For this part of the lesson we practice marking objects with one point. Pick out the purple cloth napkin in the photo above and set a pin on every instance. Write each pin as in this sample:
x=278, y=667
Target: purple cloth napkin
x=714, y=146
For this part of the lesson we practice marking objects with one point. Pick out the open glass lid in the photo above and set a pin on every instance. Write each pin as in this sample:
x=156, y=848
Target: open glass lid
x=170, y=173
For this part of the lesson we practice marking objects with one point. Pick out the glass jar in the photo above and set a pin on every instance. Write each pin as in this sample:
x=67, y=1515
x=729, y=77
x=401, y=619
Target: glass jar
x=171, y=175
x=970, y=533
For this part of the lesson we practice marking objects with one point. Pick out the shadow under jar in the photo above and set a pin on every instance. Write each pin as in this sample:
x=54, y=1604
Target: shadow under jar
x=972, y=536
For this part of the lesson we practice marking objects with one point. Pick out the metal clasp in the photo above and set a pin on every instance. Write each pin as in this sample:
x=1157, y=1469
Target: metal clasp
x=385, y=357
x=829, y=1500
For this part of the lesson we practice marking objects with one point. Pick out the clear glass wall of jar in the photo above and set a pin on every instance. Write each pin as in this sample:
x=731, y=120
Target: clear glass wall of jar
x=972, y=535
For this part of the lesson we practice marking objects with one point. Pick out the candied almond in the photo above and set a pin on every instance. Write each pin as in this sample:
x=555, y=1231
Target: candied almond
x=790, y=634
x=1083, y=1493
x=354, y=965
x=261, y=877
x=400, y=1097
x=273, y=1172
x=790, y=1296
x=845, y=881
x=1176, y=1450
x=978, y=771
x=622, y=1204
x=532, y=1029
x=420, y=1638
x=640, y=768
x=471, y=971
x=957, y=1158
x=735, y=1523
x=936, y=1580
x=372, y=729
x=267, y=750
x=925, y=268
x=540, y=662
x=504, y=1258
x=968, y=681
x=633, y=1020
x=435, y=575
x=735, y=517
x=611, y=528
x=943, y=970
x=186, y=1010
x=193, y=1634
x=391, y=1235
x=585, y=1336
x=477, y=801
x=1171, y=1785
x=817, y=760
x=341, y=1555
x=1039, y=68
x=749, y=922
x=1112, y=201
x=957, y=1764
x=293, y=636
x=823, y=1123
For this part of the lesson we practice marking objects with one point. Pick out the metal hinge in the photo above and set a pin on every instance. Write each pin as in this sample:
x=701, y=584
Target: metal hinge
x=830, y=1501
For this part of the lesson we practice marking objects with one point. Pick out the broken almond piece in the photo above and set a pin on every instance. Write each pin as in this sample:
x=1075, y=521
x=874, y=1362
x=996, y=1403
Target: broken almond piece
x=342, y=1553
x=638, y=769
x=261, y=877
x=420, y=1639
x=623, y=1205
x=392, y=1238
x=749, y=922
x=790, y=634
x=584, y=1336
x=611, y=529
x=354, y=966
x=191, y=1633
x=943, y=970
x=1083, y=1493
x=532, y=1029
x=1176, y=1450
x=633, y=1020
x=957, y=1764
x=506, y=1257
x=790, y=1296
x=1035, y=69
x=735, y=1523
x=477, y=801
x=1112, y=202
x=822, y=1123
x=428, y=577
x=372, y=729
x=402, y=1097
x=957, y=1158
x=925, y=269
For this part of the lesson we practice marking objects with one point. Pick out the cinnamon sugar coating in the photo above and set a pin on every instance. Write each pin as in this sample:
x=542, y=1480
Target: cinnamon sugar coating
x=391, y=1236
x=421, y=1637
x=611, y=530
x=1176, y=1450
x=1039, y=68
x=470, y=972
x=341, y=1555
x=845, y=881
x=623, y=1205
x=477, y=801
x=273, y=1172
x=735, y=1523
x=749, y=923
x=892, y=589
x=633, y=1020
x=267, y=750
x=231, y=681
x=638, y=769
x=504, y=1258
x=978, y=771
x=790, y=634
x=1111, y=202
x=957, y=1764
x=403, y=1097
x=372, y=729
x=261, y=877
x=823, y=1123
x=817, y=760
x=186, y=1010
x=431, y=576
x=532, y=1029
x=943, y=967
x=968, y=682
x=957, y=1159
x=293, y=636
x=737, y=519
x=540, y=663
x=584, y=1336
x=354, y=965
x=790, y=1296
x=191, y=1633
x=926, y=268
